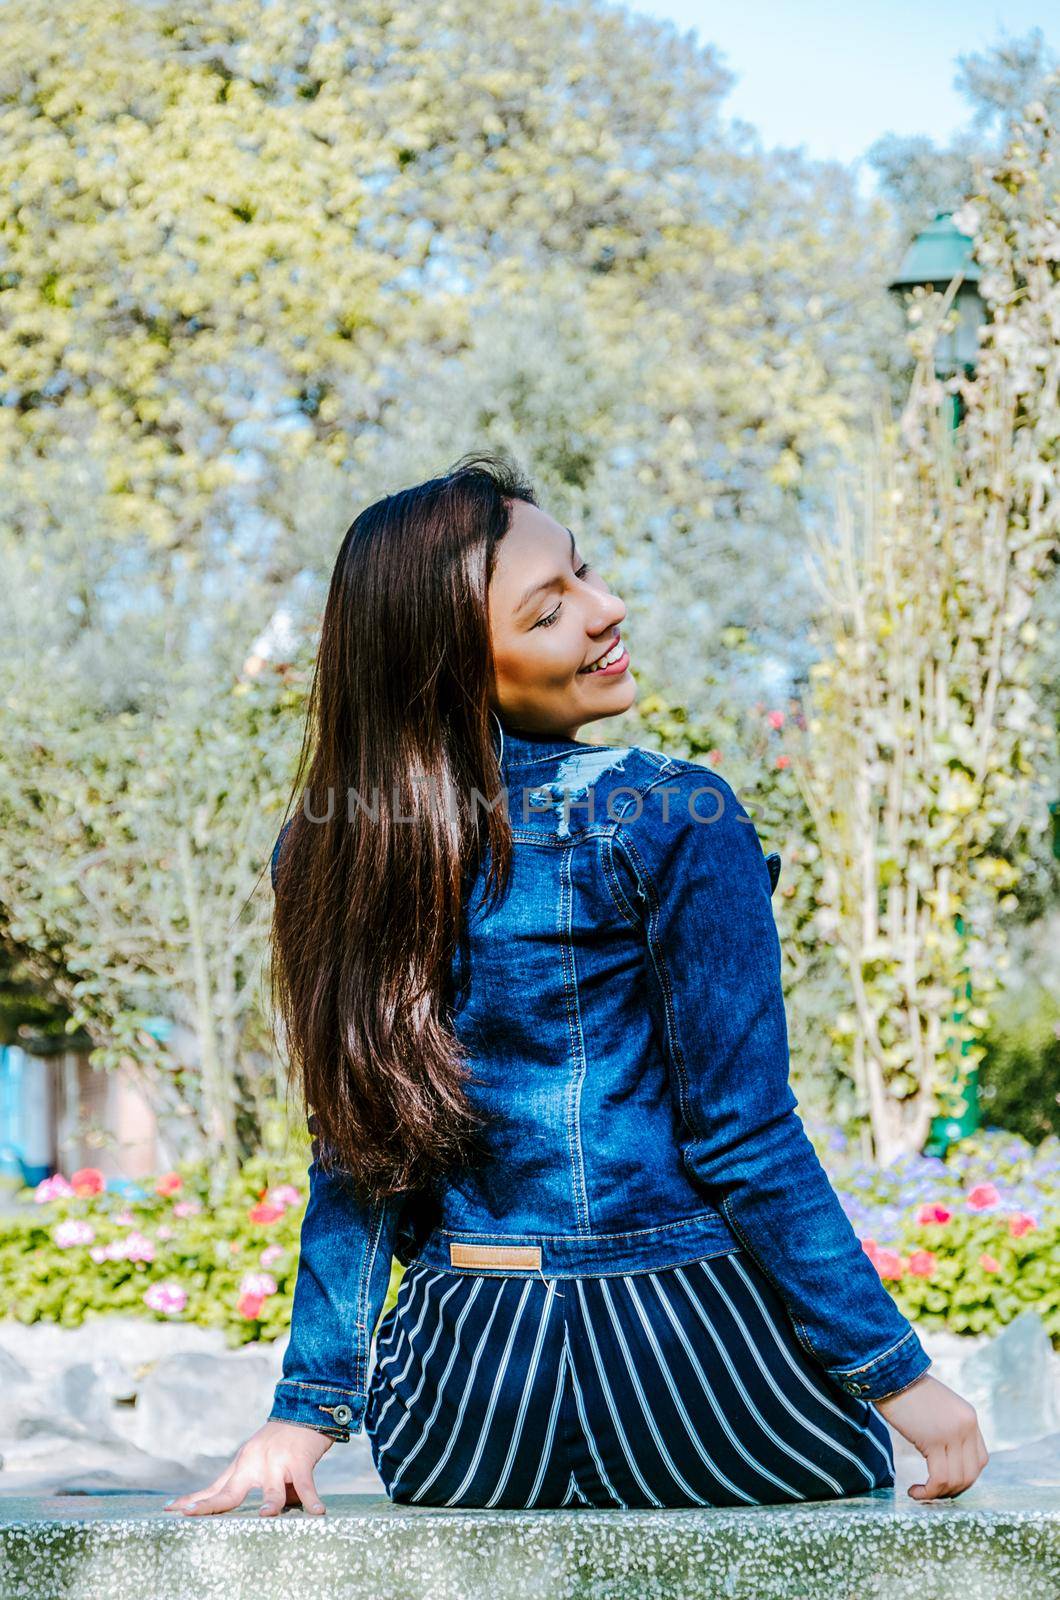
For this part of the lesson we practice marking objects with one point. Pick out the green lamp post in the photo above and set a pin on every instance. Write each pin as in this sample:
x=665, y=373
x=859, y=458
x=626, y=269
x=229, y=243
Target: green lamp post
x=939, y=253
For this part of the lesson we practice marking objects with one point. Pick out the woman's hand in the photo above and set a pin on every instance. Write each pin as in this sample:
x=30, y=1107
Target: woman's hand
x=279, y=1459
x=945, y=1429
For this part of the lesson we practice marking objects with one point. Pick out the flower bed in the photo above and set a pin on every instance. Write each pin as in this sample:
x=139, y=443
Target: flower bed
x=80, y=1249
x=965, y=1244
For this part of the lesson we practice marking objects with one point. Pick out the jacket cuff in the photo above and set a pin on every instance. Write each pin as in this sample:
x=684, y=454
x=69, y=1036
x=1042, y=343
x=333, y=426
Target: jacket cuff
x=334, y=1411
x=888, y=1373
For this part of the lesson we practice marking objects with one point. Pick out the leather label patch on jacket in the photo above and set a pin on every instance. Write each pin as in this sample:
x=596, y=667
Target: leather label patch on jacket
x=495, y=1255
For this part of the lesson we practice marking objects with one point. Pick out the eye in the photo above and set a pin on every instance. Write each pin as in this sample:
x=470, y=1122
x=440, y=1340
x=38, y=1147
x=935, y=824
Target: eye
x=553, y=616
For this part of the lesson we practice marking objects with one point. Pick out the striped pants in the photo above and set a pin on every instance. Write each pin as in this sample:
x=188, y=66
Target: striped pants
x=679, y=1387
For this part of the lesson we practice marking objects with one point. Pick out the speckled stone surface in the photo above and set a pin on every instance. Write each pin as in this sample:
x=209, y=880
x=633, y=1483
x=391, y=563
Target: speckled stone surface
x=986, y=1545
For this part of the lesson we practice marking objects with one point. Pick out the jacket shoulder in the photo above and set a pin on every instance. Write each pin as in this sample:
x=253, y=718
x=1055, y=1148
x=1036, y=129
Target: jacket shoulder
x=689, y=811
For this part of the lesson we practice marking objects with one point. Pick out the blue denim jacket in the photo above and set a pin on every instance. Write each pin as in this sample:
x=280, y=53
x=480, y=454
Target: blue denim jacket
x=624, y=1010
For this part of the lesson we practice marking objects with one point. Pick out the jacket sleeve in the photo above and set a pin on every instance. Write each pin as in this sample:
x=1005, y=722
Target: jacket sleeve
x=713, y=964
x=344, y=1269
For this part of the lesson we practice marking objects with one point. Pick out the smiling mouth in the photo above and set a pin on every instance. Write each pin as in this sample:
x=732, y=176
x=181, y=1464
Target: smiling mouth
x=611, y=656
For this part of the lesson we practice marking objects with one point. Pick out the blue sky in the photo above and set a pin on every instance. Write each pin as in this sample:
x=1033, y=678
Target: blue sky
x=833, y=77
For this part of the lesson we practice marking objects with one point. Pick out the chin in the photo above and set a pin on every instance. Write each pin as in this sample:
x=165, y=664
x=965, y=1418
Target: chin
x=619, y=695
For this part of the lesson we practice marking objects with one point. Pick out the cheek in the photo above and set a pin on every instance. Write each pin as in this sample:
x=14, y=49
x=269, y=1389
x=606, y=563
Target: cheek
x=543, y=654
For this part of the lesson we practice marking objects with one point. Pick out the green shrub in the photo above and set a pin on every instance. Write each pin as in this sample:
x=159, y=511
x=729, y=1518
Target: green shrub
x=77, y=1250
x=1019, y=1076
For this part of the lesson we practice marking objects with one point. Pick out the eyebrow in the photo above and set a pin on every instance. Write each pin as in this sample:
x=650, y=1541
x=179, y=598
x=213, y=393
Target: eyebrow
x=546, y=583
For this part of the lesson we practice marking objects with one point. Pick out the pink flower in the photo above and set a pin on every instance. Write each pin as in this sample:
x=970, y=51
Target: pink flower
x=98, y=1253
x=73, y=1231
x=264, y=1212
x=134, y=1247
x=782, y=762
x=989, y=1263
x=271, y=1254
x=88, y=1180
x=167, y=1297
x=889, y=1264
x=285, y=1195
x=165, y=1231
x=187, y=1208
x=933, y=1212
x=1019, y=1223
x=54, y=1188
x=125, y=1219
x=714, y=756
x=982, y=1197
x=922, y=1264
x=169, y=1183
x=257, y=1283
x=249, y=1306
x=775, y=719
x=869, y=1247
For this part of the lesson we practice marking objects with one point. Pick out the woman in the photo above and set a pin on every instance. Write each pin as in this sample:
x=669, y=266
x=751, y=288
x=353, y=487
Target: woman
x=531, y=988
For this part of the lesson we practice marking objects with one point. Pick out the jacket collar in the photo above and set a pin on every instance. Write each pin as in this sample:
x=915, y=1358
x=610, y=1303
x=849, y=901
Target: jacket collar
x=515, y=748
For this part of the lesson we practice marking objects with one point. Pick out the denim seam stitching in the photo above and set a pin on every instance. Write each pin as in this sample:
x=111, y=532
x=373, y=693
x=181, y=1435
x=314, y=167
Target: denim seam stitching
x=364, y=1291
x=727, y=1247
x=850, y=1371
x=328, y=1388
x=697, y=1217
x=611, y=879
x=577, y=1042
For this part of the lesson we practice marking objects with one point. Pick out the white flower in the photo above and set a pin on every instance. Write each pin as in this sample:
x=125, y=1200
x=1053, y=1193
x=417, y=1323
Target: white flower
x=257, y=1283
x=73, y=1231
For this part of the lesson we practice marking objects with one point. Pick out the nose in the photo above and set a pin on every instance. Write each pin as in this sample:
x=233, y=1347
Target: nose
x=610, y=613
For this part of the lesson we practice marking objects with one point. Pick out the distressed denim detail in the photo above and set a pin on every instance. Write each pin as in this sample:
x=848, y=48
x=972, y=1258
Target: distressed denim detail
x=623, y=1013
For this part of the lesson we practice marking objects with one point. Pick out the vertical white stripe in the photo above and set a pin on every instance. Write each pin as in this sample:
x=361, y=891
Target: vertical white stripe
x=704, y=1383
x=410, y=1341
x=403, y=1321
x=790, y=1450
x=587, y=1432
x=816, y=1389
x=498, y=1383
x=642, y=1397
x=528, y=1386
x=407, y=1408
x=812, y=1427
x=609, y=1398
x=465, y=1396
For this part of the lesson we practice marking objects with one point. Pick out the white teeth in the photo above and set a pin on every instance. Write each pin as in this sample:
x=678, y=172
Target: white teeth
x=610, y=658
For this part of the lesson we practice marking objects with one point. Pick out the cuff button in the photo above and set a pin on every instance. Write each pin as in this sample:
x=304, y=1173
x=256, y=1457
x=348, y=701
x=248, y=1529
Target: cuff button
x=342, y=1415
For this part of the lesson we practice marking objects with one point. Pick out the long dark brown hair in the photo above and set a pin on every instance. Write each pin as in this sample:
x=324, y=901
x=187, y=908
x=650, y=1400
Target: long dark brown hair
x=396, y=785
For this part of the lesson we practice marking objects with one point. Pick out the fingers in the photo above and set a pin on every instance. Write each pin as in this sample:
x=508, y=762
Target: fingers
x=952, y=1468
x=305, y=1488
x=938, y=1478
x=231, y=1494
x=273, y=1491
x=184, y=1501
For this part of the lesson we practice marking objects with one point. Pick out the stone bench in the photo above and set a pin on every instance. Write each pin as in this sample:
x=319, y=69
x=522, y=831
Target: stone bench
x=989, y=1544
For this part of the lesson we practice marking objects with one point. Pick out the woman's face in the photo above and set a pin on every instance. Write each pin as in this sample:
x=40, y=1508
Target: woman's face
x=551, y=617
